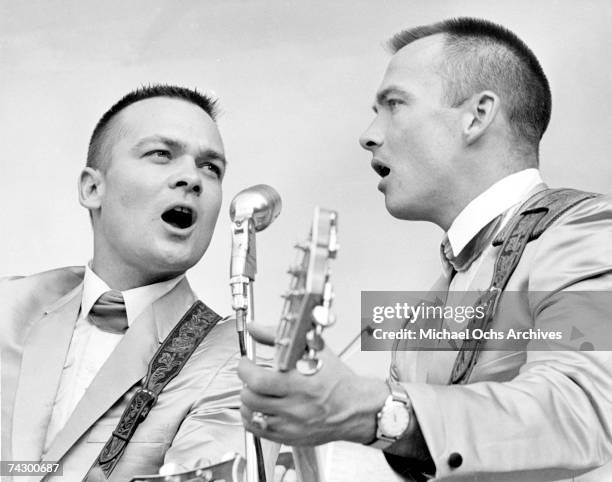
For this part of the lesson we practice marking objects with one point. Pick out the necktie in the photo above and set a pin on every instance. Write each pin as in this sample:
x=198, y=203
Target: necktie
x=108, y=313
x=470, y=252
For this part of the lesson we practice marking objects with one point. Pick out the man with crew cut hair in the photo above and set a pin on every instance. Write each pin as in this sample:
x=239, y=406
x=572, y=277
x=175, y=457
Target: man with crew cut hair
x=76, y=342
x=459, y=115
x=101, y=141
x=480, y=55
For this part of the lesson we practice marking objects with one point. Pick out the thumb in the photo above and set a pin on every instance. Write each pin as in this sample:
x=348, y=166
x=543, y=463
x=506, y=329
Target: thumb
x=262, y=334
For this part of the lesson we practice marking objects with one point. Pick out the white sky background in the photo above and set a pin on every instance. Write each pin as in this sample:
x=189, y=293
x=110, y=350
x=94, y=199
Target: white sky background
x=296, y=80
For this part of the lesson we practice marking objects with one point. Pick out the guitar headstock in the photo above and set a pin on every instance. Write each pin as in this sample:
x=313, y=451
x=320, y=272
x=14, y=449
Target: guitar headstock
x=306, y=311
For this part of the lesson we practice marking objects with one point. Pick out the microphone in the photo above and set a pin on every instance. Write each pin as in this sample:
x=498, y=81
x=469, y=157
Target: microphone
x=252, y=209
x=261, y=203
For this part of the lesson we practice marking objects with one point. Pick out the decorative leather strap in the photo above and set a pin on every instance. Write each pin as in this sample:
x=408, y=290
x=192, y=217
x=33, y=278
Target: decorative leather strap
x=167, y=362
x=532, y=219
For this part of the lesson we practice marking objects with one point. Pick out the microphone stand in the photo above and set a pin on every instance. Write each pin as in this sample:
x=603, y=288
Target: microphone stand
x=243, y=267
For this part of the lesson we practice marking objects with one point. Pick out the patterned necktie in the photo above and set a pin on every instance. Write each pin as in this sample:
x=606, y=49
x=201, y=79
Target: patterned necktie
x=108, y=313
x=470, y=252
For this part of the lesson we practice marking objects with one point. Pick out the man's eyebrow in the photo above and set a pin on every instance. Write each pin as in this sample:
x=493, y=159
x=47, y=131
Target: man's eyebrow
x=179, y=145
x=382, y=95
x=172, y=143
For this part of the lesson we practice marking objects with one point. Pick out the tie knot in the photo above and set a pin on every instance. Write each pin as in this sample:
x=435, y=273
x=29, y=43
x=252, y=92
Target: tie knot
x=464, y=259
x=108, y=313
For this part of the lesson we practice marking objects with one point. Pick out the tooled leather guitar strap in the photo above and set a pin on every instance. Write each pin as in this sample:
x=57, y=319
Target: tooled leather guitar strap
x=534, y=216
x=167, y=362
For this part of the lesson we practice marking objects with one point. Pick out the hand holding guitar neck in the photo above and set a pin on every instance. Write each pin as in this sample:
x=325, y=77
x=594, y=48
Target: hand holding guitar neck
x=306, y=312
x=312, y=397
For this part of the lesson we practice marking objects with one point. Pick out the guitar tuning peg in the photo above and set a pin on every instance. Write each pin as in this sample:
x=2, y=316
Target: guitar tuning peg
x=328, y=295
x=322, y=316
x=314, y=340
x=308, y=365
x=332, y=245
x=286, y=322
x=333, y=249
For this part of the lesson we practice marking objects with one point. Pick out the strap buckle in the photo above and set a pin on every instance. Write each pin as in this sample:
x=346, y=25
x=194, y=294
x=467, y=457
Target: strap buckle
x=144, y=400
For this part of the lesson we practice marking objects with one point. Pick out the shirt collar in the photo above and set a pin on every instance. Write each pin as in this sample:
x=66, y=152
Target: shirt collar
x=489, y=204
x=136, y=299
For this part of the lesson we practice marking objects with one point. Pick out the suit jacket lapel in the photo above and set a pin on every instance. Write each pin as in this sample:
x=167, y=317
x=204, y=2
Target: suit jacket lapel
x=41, y=368
x=169, y=309
x=126, y=365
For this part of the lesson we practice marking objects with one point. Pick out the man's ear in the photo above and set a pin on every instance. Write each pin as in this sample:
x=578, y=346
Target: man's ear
x=480, y=112
x=91, y=188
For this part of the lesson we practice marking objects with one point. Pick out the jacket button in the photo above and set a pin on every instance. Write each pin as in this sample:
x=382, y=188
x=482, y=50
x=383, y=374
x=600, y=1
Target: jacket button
x=455, y=460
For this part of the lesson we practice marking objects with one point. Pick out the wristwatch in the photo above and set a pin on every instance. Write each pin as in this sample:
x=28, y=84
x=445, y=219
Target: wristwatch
x=394, y=418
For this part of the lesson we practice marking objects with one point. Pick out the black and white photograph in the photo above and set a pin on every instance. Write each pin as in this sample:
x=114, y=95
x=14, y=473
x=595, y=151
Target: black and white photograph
x=276, y=241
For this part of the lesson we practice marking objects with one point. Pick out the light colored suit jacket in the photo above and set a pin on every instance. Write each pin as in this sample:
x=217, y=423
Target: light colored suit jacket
x=196, y=416
x=529, y=415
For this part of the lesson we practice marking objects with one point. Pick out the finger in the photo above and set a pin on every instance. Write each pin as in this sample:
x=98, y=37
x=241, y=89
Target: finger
x=255, y=429
x=263, y=380
x=279, y=472
x=262, y=334
x=262, y=403
x=277, y=429
x=290, y=476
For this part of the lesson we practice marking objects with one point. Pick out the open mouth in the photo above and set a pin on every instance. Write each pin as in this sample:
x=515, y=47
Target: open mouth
x=380, y=168
x=180, y=217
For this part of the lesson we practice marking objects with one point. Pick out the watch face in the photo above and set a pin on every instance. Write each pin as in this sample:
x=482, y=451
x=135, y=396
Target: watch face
x=394, y=419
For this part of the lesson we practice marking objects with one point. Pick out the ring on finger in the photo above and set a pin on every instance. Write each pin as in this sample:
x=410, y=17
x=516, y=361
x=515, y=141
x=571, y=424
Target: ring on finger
x=259, y=420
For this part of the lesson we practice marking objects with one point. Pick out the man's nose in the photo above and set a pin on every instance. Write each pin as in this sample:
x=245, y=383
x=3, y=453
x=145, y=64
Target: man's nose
x=372, y=137
x=187, y=176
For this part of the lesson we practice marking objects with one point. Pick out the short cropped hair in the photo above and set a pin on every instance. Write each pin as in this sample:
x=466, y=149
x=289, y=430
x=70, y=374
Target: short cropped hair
x=481, y=55
x=98, y=151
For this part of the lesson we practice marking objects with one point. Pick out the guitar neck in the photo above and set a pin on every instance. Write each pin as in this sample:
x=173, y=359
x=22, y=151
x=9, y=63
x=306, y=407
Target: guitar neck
x=305, y=315
x=308, y=464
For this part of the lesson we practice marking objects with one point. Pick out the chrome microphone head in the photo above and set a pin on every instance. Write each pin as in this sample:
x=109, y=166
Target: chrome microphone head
x=260, y=202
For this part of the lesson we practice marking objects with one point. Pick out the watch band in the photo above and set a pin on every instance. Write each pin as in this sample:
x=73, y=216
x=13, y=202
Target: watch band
x=398, y=394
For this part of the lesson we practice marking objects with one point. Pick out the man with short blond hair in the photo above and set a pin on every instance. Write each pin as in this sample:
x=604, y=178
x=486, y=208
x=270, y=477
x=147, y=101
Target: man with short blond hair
x=458, y=120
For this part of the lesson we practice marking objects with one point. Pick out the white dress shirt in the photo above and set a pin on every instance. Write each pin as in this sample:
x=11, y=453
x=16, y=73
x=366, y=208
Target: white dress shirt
x=90, y=347
x=505, y=196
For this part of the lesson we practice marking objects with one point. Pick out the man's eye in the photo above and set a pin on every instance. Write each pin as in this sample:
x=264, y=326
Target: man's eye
x=159, y=153
x=214, y=168
x=393, y=103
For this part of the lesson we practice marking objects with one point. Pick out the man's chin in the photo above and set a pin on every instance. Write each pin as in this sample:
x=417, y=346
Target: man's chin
x=176, y=261
x=402, y=210
x=179, y=265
